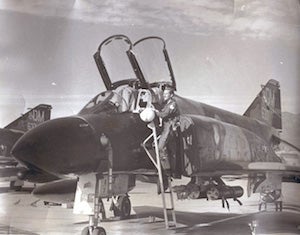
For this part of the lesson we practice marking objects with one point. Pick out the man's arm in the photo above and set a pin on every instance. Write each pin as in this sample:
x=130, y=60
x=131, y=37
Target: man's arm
x=167, y=110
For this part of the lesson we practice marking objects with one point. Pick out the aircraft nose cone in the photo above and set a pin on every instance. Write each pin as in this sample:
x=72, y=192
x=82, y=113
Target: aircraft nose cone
x=59, y=146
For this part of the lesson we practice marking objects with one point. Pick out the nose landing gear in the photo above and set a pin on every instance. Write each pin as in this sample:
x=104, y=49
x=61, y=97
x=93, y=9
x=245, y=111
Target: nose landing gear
x=93, y=231
x=122, y=209
x=91, y=189
x=93, y=228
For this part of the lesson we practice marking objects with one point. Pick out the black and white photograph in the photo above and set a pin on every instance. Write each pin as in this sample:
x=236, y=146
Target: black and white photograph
x=150, y=117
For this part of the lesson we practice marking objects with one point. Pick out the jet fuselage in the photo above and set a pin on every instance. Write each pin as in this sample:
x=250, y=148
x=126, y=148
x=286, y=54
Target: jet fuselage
x=72, y=145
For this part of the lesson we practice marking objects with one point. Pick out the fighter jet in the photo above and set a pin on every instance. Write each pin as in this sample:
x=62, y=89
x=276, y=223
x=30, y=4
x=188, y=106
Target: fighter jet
x=10, y=134
x=114, y=138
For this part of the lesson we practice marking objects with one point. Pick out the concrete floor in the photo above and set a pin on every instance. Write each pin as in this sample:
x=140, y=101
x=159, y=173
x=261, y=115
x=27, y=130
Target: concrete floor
x=21, y=214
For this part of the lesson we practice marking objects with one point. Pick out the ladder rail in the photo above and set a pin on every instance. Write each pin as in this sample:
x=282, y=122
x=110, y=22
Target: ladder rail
x=147, y=151
x=161, y=184
x=172, y=201
x=157, y=164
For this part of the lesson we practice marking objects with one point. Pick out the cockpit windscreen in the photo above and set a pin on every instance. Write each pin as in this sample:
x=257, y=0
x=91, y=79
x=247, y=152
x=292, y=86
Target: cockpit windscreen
x=107, y=101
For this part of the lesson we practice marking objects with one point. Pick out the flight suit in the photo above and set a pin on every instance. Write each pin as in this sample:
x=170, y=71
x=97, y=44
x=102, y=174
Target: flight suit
x=129, y=95
x=170, y=118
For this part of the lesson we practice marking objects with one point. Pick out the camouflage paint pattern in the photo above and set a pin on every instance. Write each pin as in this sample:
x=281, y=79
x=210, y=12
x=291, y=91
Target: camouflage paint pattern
x=213, y=145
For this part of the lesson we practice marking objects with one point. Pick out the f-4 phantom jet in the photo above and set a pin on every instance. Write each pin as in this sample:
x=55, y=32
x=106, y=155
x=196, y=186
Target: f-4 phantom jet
x=9, y=136
x=114, y=139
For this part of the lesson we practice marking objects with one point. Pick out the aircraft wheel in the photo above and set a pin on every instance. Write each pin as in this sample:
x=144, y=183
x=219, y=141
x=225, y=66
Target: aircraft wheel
x=99, y=231
x=96, y=231
x=85, y=231
x=123, y=207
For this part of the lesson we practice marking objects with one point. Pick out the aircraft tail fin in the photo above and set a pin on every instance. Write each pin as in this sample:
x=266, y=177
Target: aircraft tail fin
x=31, y=119
x=266, y=106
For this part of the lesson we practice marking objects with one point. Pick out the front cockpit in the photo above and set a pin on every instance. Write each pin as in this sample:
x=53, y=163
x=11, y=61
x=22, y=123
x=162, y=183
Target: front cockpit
x=125, y=98
x=107, y=101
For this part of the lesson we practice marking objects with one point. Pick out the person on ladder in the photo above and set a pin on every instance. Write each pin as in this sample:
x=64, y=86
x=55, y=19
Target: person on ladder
x=170, y=118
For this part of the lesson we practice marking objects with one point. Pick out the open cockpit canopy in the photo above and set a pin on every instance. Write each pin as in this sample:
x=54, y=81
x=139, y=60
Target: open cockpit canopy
x=134, y=74
x=153, y=60
x=112, y=61
x=120, y=62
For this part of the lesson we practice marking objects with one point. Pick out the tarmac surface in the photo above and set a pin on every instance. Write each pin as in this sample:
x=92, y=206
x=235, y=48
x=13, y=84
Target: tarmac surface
x=21, y=213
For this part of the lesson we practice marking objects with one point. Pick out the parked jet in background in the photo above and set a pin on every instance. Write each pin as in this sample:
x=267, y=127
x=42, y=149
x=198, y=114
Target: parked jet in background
x=10, y=134
x=114, y=138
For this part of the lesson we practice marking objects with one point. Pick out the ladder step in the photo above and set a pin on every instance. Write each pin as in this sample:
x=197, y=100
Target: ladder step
x=172, y=225
x=170, y=209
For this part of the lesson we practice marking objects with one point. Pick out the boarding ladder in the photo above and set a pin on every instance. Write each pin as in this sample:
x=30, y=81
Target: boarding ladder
x=156, y=161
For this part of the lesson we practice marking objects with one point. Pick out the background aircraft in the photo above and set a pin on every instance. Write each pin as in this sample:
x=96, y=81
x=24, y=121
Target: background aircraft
x=10, y=134
x=106, y=145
